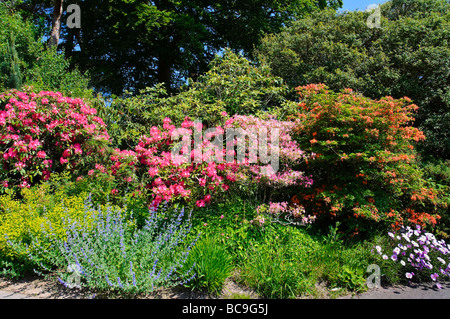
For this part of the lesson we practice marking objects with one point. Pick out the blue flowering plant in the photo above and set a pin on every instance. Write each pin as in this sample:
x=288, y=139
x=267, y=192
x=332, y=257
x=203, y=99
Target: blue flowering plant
x=421, y=255
x=112, y=254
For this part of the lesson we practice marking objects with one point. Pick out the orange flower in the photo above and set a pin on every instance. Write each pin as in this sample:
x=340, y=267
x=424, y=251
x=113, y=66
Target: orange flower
x=313, y=141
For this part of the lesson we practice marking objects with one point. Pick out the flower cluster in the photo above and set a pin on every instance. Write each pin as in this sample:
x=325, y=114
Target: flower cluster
x=284, y=212
x=154, y=168
x=194, y=164
x=363, y=146
x=283, y=150
x=419, y=251
x=44, y=132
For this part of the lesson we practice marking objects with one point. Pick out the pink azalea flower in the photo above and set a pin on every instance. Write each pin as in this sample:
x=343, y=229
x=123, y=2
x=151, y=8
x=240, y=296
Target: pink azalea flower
x=202, y=181
x=152, y=171
x=200, y=203
x=41, y=154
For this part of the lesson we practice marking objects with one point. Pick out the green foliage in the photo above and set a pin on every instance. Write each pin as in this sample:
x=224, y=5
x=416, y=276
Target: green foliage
x=274, y=275
x=133, y=44
x=211, y=263
x=232, y=84
x=24, y=60
x=408, y=56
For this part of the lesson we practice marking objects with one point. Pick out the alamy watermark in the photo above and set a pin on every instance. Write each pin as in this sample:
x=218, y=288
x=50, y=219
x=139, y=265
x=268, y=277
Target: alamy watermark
x=74, y=280
x=374, y=20
x=374, y=279
x=251, y=145
x=74, y=19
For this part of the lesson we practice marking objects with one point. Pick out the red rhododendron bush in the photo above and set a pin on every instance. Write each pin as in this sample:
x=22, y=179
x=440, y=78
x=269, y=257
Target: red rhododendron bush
x=44, y=133
x=366, y=168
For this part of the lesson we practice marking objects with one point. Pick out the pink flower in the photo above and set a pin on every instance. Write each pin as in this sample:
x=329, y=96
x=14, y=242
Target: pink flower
x=91, y=172
x=207, y=198
x=114, y=191
x=44, y=101
x=5, y=184
x=63, y=160
x=184, y=174
x=34, y=144
x=152, y=171
x=41, y=154
x=202, y=181
x=224, y=113
x=66, y=153
x=225, y=187
x=200, y=203
x=100, y=167
x=19, y=165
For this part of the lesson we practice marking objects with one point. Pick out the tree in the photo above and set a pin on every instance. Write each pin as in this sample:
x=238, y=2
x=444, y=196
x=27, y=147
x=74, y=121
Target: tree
x=56, y=23
x=24, y=59
x=409, y=55
x=131, y=44
x=232, y=85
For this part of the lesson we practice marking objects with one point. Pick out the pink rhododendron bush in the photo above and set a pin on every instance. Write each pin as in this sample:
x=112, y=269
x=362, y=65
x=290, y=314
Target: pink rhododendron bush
x=44, y=133
x=194, y=164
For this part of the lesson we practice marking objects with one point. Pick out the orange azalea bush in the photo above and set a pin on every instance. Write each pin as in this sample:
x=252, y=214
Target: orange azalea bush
x=365, y=168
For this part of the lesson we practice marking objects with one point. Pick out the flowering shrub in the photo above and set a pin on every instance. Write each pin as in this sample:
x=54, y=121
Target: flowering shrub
x=44, y=133
x=203, y=168
x=420, y=253
x=155, y=170
x=110, y=254
x=365, y=168
x=274, y=172
x=284, y=212
x=38, y=216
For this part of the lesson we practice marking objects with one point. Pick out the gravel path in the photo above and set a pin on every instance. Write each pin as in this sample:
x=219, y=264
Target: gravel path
x=37, y=288
x=414, y=291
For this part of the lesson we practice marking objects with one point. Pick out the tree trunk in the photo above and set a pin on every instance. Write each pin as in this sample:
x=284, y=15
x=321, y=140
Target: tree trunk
x=164, y=71
x=53, y=41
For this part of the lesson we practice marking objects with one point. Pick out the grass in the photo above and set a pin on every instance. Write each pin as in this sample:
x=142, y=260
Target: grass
x=284, y=262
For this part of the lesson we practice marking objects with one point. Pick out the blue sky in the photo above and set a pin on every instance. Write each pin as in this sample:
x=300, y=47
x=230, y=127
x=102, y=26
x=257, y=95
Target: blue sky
x=361, y=5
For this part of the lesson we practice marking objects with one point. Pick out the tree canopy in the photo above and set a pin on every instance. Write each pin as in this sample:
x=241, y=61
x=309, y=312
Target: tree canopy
x=133, y=44
x=409, y=55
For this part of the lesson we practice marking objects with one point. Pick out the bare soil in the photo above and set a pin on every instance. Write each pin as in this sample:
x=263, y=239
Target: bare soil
x=49, y=288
